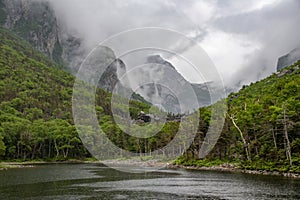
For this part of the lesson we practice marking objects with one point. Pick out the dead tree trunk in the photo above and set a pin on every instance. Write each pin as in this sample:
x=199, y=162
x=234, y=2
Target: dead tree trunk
x=288, y=144
x=243, y=139
x=274, y=138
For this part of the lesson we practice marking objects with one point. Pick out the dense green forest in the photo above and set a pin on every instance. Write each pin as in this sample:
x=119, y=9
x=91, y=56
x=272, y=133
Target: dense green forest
x=35, y=101
x=262, y=127
x=261, y=131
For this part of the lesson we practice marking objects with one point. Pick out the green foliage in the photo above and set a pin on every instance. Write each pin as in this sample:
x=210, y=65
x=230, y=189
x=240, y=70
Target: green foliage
x=36, y=120
x=35, y=101
x=261, y=111
x=201, y=162
x=2, y=146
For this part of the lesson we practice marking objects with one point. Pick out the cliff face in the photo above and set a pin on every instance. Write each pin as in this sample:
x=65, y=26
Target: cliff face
x=288, y=59
x=34, y=21
x=164, y=87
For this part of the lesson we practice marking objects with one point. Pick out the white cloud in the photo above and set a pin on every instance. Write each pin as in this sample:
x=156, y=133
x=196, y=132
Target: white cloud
x=243, y=37
x=229, y=52
x=200, y=12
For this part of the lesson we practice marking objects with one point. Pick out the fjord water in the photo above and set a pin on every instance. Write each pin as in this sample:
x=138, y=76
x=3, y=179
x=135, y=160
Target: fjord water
x=93, y=181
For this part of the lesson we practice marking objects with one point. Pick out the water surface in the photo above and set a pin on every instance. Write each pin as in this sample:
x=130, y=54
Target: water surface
x=93, y=181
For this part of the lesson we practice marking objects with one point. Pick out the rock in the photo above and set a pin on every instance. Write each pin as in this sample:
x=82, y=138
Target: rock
x=288, y=59
x=162, y=88
x=34, y=21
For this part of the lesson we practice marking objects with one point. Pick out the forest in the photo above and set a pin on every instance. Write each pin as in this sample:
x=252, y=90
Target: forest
x=262, y=126
x=261, y=130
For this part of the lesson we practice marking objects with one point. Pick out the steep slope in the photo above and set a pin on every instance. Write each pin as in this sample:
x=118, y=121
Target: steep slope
x=262, y=128
x=35, y=104
x=162, y=73
x=34, y=21
x=201, y=90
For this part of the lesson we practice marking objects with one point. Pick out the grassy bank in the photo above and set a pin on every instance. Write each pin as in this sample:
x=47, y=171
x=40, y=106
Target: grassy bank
x=255, y=167
x=10, y=164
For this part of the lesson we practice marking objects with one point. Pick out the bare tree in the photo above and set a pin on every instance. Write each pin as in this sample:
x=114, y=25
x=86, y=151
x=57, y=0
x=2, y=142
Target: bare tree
x=288, y=144
x=246, y=146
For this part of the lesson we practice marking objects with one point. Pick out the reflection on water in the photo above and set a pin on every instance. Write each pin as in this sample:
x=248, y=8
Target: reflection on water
x=91, y=181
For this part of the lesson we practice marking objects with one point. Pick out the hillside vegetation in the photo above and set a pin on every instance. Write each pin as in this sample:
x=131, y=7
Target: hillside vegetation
x=262, y=128
x=35, y=102
x=35, y=105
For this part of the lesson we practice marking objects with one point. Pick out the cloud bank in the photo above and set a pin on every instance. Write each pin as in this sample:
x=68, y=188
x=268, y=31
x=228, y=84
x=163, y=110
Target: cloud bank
x=243, y=38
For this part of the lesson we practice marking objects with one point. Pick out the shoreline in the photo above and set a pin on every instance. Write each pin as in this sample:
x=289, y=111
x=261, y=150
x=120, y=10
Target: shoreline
x=234, y=169
x=14, y=165
x=5, y=165
x=153, y=163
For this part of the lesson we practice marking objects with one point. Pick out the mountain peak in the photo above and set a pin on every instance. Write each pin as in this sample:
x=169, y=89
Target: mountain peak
x=158, y=59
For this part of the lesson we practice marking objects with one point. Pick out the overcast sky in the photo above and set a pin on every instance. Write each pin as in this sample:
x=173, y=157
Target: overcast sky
x=244, y=38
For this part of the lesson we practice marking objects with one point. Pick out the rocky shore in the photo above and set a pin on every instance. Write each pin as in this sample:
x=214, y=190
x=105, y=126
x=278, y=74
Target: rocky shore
x=12, y=165
x=158, y=165
x=223, y=167
x=137, y=162
x=234, y=169
x=29, y=164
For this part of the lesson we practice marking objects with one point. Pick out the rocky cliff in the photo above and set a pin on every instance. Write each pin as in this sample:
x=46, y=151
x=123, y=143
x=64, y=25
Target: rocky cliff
x=201, y=90
x=169, y=89
x=288, y=59
x=36, y=22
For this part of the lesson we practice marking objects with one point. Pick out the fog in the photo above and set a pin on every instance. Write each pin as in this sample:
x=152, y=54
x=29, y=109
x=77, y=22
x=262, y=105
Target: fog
x=243, y=38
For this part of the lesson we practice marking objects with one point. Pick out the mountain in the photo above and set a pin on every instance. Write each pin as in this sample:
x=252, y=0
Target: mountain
x=36, y=110
x=36, y=104
x=288, y=59
x=261, y=129
x=159, y=60
x=35, y=21
x=262, y=126
x=165, y=89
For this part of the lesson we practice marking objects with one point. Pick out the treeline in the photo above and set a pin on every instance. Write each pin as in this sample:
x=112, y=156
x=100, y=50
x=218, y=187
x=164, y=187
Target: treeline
x=36, y=109
x=262, y=126
x=261, y=130
x=35, y=105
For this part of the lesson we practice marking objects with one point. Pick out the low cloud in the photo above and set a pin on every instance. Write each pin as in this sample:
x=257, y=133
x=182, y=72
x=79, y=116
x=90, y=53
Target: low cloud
x=243, y=38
